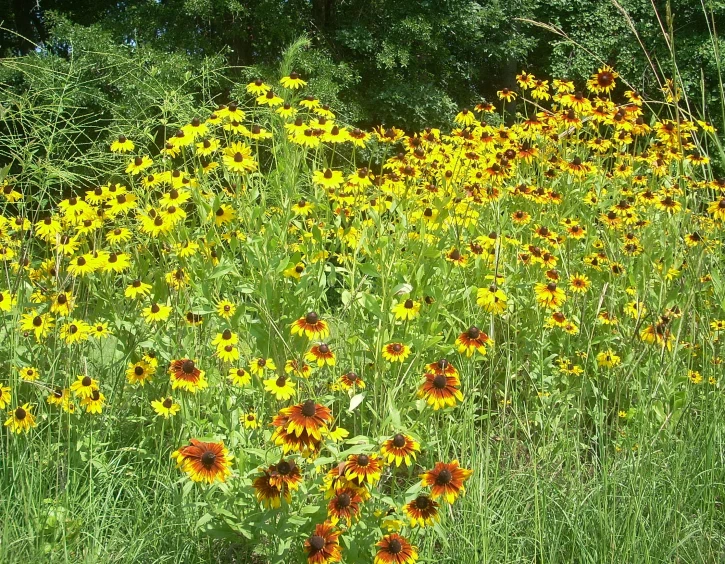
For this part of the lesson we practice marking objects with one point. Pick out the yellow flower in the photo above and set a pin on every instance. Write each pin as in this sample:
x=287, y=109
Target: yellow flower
x=138, y=165
x=21, y=420
x=165, y=407
x=226, y=309
x=122, y=145
x=407, y=310
x=39, y=324
x=94, y=403
x=293, y=81
x=239, y=377
x=608, y=359
x=5, y=396
x=282, y=388
x=7, y=300
x=29, y=373
x=139, y=373
x=136, y=289
x=156, y=312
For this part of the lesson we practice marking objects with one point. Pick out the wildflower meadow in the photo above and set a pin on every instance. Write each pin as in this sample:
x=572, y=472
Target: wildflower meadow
x=253, y=332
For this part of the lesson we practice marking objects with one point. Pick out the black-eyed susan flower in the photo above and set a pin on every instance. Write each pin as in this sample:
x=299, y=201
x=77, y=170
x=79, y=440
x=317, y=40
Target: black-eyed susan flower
x=394, y=549
x=21, y=419
x=396, y=352
x=268, y=495
x=5, y=396
x=440, y=390
x=239, y=377
x=421, y=511
x=137, y=289
x=225, y=309
x=84, y=386
x=549, y=295
x=250, y=420
x=94, y=403
x=323, y=547
x=75, y=331
x=285, y=475
x=39, y=324
x=351, y=381
x=407, y=310
x=7, y=300
x=328, y=178
x=139, y=373
x=122, y=145
x=29, y=373
x=204, y=461
x=165, y=407
x=269, y=99
x=603, y=81
x=321, y=354
x=473, y=340
x=238, y=158
x=156, y=312
x=138, y=165
x=281, y=387
x=608, y=359
x=292, y=82
x=446, y=480
x=184, y=374
x=362, y=468
x=492, y=299
x=400, y=448
x=344, y=505
x=311, y=326
x=298, y=368
x=258, y=366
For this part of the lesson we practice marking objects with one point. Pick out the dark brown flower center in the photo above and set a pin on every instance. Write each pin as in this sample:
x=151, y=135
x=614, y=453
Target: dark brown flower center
x=444, y=477
x=317, y=543
x=397, y=347
x=312, y=318
x=37, y=321
x=399, y=441
x=324, y=349
x=188, y=367
x=363, y=460
x=474, y=332
x=208, y=459
x=422, y=502
x=168, y=402
x=408, y=304
x=281, y=381
x=439, y=381
x=284, y=468
x=343, y=500
x=395, y=546
x=20, y=414
x=227, y=334
x=309, y=408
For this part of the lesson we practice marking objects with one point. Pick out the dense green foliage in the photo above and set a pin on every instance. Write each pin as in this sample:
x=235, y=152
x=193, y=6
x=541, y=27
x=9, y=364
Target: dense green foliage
x=409, y=63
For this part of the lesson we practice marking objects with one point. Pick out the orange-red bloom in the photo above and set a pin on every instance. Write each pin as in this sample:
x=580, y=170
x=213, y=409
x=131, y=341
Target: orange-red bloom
x=400, y=448
x=205, y=462
x=394, y=549
x=440, y=390
x=185, y=375
x=446, y=480
x=361, y=468
x=323, y=547
x=311, y=326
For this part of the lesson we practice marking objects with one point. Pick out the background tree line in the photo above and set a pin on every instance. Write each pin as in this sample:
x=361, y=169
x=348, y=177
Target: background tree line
x=376, y=61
